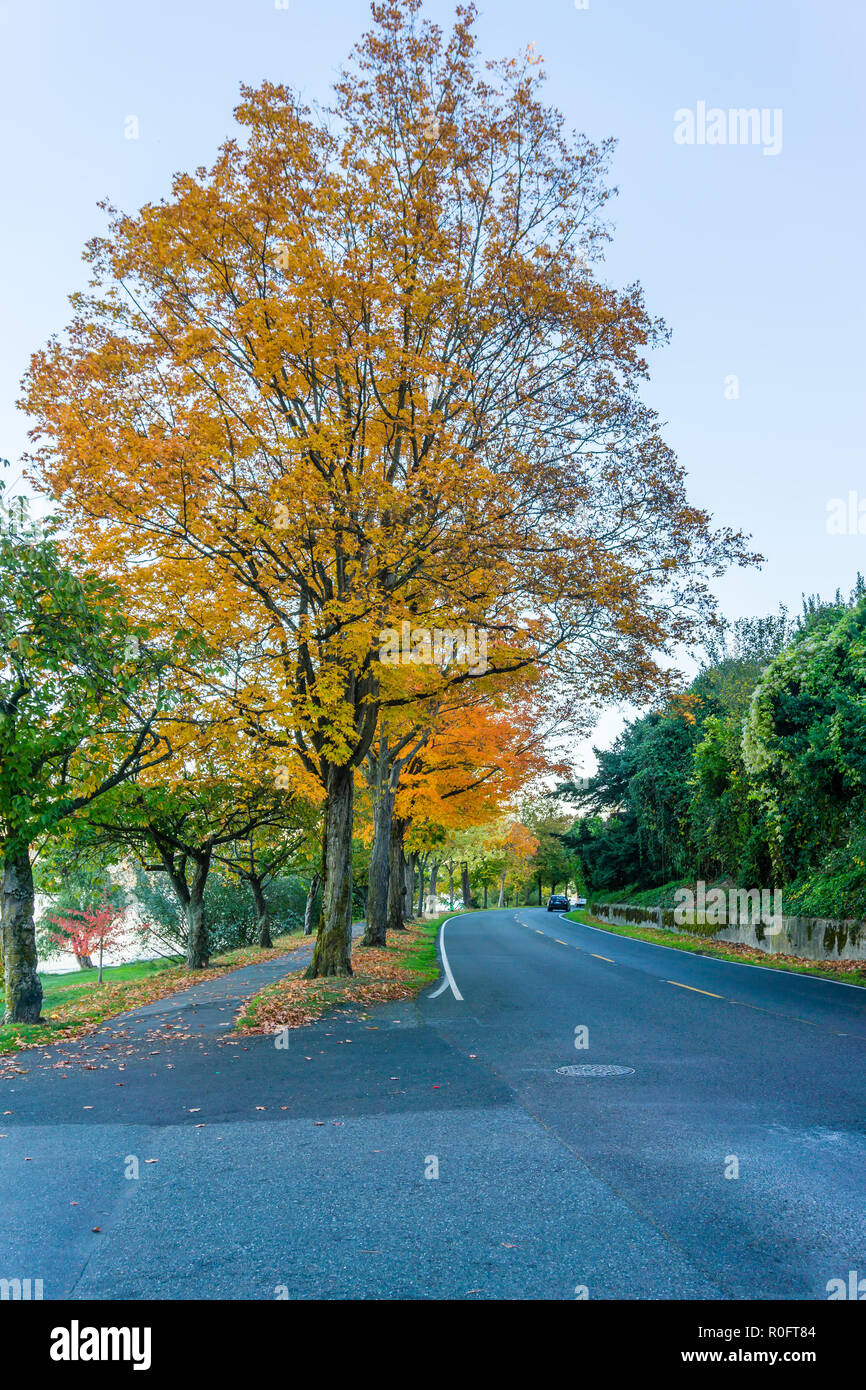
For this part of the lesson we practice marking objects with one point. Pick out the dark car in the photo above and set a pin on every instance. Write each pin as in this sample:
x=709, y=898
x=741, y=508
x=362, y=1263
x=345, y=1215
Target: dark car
x=557, y=903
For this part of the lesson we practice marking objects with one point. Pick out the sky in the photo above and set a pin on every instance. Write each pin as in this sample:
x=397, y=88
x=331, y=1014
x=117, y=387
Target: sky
x=751, y=250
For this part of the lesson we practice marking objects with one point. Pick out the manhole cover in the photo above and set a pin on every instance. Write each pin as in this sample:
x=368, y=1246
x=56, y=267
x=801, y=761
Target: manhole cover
x=589, y=1070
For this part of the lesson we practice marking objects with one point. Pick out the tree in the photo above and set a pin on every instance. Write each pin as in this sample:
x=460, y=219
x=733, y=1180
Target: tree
x=514, y=846
x=76, y=882
x=741, y=776
x=266, y=852
x=360, y=372
x=89, y=929
x=804, y=742
x=199, y=810
x=390, y=756
x=81, y=695
x=315, y=885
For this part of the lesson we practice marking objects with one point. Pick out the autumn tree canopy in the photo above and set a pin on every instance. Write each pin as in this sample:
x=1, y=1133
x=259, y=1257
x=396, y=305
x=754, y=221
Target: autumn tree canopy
x=364, y=370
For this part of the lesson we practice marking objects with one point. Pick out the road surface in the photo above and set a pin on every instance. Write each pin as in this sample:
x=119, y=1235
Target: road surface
x=727, y=1162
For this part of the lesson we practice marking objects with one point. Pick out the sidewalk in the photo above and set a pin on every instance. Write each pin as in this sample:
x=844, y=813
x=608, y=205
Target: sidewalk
x=212, y=1005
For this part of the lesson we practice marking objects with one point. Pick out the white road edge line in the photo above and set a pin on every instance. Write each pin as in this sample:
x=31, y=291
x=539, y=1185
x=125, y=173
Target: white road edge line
x=449, y=981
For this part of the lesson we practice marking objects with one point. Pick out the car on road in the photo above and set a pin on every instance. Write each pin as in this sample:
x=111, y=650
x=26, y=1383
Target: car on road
x=580, y=902
x=557, y=902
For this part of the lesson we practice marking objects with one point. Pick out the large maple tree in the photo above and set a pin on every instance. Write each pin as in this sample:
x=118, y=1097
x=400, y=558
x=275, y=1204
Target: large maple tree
x=364, y=369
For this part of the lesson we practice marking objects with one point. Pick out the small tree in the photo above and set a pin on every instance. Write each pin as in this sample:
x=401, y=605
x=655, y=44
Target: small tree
x=267, y=852
x=200, y=811
x=85, y=931
x=75, y=881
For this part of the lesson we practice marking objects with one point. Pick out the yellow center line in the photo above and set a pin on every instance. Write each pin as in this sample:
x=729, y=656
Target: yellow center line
x=560, y=943
x=607, y=958
x=708, y=992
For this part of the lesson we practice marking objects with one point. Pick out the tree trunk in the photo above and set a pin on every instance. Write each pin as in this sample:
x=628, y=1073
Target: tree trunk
x=467, y=891
x=375, y=933
x=198, y=950
x=264, y=917
x=451, y=886
x=190, y=897
x=434, y=879
x=501, y=902
x=349, y=909
x=485, y=895
x=331, y=954
x=311, y=900
x=18, y=935
x=396, y=879
x=409, y=896
x=84, y=962
x=422, y=873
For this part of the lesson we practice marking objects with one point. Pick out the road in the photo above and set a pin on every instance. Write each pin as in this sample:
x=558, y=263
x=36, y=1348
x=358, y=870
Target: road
x=728, y=1162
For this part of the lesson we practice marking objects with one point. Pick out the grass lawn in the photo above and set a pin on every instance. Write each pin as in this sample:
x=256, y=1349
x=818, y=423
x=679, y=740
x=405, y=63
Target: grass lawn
x=75, y=1004
x=56, y=988
x=851, y=972
x=399, y=970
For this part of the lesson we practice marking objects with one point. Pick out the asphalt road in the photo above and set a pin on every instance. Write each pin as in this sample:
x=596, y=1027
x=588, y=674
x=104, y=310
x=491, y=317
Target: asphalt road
x=728, y=1162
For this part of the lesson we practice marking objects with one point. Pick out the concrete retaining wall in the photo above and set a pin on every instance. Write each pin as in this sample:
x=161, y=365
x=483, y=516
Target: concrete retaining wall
x=811, y=938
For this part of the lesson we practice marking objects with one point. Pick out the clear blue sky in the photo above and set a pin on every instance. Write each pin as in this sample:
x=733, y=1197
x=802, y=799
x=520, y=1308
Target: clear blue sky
x=755, y=261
